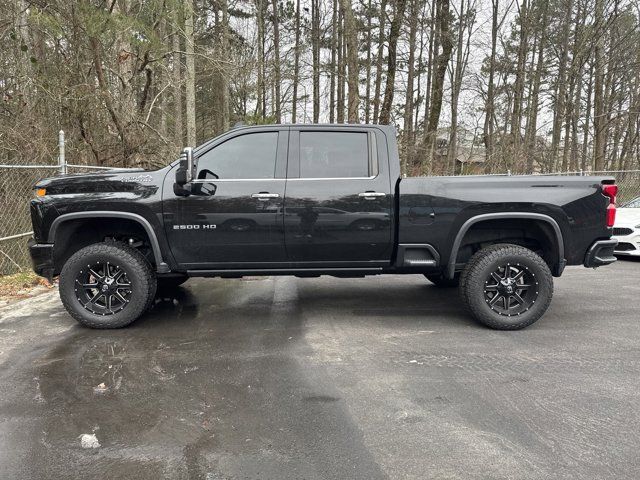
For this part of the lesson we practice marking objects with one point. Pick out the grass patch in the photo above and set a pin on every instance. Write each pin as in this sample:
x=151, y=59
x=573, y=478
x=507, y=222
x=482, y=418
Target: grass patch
x=19, y=284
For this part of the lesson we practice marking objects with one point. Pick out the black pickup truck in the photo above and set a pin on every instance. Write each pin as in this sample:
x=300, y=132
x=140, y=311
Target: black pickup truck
x=310, y=200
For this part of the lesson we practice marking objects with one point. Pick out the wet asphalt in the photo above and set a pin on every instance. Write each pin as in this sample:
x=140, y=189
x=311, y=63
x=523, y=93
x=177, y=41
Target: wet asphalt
x=285, y=378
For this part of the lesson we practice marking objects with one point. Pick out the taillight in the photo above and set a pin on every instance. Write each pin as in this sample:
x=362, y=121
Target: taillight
x=610, y=191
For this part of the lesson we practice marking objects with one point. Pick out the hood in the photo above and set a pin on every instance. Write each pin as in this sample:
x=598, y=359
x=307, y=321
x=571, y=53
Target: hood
x=111, y=181
x=628, y=217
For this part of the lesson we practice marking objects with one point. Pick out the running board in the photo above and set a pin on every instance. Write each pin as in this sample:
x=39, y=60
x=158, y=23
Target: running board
x=237, y=273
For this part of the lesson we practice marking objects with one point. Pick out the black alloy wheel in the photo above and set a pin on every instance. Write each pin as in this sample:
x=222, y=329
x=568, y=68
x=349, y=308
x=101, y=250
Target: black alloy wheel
x=103, y=288
x=511, y=289
x=107, y=285
x=506, y=286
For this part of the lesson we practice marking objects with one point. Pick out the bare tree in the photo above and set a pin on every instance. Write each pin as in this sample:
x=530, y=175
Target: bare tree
x=351, y=37
x=190, y=74
x=443, y=22
x=394, y=33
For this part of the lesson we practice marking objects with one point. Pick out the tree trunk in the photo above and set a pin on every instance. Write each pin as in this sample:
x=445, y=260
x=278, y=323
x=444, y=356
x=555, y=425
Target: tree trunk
x=408, y=101
x=599, y=125
x=296, y=67
x=315, y=47
x=465, y=22
x=177, y=85
x=224, y=70
x=381, y=35
x=367, y=95
x=276, y=60
x=341, y=68
x=351, y=37
x=394, y=33
x=587, y=118
x=443, y=20
x=490, y=102
x=260, y=97
x=561, y=100
x=518, y=87
x=532, y=122
x=190, y=75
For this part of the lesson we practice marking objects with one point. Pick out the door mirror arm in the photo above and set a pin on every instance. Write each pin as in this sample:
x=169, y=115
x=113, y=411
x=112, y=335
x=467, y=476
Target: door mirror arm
x=185, y=173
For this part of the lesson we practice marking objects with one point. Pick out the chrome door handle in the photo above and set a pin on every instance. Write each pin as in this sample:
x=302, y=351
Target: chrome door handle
x=264, y=196
x=371, y=195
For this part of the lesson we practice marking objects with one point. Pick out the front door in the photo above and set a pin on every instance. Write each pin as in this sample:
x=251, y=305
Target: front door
x=338, y=203
x=234, y=215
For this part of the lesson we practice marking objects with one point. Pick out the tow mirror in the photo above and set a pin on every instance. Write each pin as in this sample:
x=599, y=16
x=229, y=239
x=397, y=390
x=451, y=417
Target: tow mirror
x=185, y=173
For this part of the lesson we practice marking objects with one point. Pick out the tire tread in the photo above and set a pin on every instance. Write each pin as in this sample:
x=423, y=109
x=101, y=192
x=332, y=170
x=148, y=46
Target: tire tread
x=480, y=261
x=128, y=255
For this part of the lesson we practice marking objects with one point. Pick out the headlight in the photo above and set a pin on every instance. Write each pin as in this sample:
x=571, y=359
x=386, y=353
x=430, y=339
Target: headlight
x=41, y=192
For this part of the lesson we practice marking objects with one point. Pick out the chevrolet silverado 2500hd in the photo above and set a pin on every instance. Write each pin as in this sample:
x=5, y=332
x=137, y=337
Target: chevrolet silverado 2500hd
x=309, y=200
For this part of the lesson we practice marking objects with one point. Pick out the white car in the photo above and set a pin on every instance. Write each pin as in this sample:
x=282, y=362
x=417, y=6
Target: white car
x=627, y=228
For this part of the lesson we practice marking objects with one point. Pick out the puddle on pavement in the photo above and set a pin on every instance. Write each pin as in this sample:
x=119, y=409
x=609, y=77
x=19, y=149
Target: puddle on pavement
x=214, y=379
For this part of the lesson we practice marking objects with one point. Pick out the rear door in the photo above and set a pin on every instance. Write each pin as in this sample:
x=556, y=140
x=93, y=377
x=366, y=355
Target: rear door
x=338, y=202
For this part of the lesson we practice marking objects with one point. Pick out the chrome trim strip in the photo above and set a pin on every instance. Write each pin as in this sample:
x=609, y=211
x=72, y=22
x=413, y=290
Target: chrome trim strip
x=216, y=180
x=372, y=194
x=333, y=178
x=265, y=196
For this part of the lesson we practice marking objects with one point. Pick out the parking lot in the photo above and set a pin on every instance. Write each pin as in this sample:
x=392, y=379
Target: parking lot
x=285, y=378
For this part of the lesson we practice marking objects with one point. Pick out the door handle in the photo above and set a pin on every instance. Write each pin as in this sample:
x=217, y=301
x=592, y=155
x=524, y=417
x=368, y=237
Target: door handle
x=264, y=196
x=371, y=195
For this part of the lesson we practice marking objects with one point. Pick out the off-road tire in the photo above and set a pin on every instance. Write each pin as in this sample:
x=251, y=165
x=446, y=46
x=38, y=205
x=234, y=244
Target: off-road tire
x=442, y=282
x=131, y=261
x=473, y=282
x=168, y=283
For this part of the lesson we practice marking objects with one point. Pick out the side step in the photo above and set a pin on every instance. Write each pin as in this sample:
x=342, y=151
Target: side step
x=417, y=255
x=298, y=272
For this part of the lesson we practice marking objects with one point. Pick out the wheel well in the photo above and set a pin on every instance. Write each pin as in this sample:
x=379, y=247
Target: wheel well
x=72, y=235
x=536, y=235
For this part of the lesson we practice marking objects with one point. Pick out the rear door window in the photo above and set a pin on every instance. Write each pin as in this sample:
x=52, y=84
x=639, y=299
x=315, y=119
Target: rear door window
x=334, y=155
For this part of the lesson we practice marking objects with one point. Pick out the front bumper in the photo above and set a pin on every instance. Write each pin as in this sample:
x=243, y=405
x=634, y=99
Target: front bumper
x=42, y=258
x=600, y=253
x=628, y=244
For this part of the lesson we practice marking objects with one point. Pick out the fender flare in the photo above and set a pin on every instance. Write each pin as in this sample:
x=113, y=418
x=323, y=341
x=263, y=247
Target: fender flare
x=451, y=265
x=161, y=266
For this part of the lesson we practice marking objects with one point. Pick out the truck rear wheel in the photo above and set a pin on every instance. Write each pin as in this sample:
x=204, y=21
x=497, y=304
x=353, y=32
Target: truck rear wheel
x=506, y=287
x=107, y=285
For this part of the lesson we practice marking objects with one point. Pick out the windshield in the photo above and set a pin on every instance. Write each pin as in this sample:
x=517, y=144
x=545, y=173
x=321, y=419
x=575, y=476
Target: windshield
x=635, y=203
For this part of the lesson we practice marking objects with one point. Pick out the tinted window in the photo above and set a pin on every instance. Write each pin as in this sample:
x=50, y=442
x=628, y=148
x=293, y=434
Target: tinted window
x=247, y=156
x=333, y=154
x=635, y=203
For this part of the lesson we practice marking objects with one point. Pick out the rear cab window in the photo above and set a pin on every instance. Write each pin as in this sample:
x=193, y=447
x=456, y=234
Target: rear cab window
x=334, y=154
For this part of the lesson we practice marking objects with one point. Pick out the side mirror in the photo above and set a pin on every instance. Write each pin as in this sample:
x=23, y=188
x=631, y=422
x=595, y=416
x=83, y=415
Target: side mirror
x=185, y=173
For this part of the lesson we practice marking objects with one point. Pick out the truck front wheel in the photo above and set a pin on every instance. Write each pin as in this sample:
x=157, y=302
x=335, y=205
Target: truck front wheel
x=506, y=287
x=107, y=285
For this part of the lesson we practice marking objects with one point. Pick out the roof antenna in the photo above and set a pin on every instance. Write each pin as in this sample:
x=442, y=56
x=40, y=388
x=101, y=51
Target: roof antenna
x=237, y=125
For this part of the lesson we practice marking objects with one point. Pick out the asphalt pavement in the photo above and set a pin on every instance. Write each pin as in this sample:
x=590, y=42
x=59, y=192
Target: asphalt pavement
x=285, y=378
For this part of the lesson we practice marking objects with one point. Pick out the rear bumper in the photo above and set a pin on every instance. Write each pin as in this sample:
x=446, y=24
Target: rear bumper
x=600, y=253
x=42, y=258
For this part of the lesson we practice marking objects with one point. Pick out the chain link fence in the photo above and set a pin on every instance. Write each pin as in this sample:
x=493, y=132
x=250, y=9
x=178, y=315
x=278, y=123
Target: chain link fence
x=16, y=189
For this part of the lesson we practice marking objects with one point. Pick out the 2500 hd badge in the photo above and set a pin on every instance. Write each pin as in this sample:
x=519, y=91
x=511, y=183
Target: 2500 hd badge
x=195, y=227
